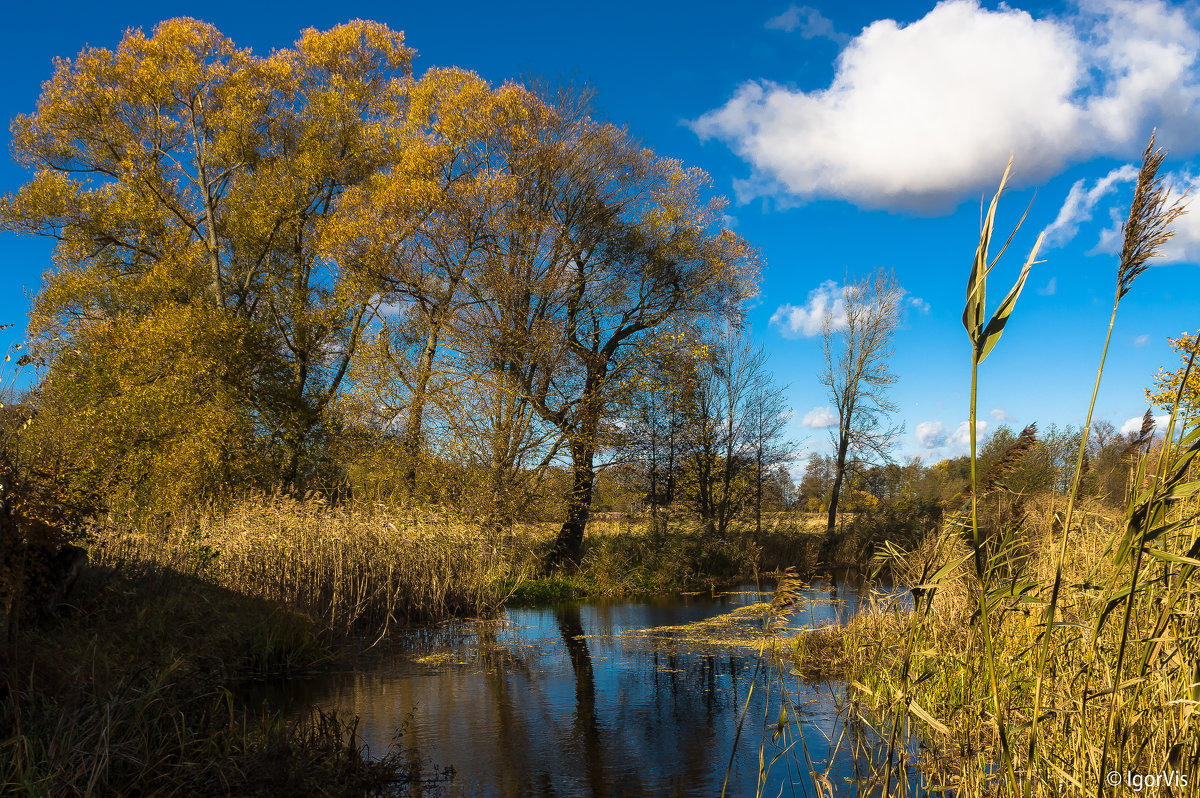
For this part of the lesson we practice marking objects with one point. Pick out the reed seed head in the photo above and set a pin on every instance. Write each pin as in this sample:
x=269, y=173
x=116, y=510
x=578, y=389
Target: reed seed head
x=1151, y=215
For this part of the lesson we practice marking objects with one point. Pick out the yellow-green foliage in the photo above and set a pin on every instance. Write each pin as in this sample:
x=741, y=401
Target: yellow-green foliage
x=138, y=410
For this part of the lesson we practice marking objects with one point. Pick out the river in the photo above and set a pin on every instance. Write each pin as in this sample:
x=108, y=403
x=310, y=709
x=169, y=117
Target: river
x=601, y=698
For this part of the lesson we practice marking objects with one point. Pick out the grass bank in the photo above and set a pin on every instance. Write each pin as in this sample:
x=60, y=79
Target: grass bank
x=1119, y=688
x=128, y=693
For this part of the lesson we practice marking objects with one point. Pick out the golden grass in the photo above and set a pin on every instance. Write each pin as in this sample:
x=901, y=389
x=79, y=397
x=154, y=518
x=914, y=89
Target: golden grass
x=947, y=700
x=358, y=568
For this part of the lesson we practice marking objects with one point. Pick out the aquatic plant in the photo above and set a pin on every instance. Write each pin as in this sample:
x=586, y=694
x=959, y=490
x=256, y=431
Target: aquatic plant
x=1112, y=596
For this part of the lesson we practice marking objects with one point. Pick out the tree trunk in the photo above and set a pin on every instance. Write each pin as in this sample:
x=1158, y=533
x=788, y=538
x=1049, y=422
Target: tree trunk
x=411, y=445
x=839, y=472
x=579, y=502
x=758, y=480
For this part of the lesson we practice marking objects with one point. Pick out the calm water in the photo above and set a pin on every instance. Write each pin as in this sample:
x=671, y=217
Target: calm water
x=571, y=700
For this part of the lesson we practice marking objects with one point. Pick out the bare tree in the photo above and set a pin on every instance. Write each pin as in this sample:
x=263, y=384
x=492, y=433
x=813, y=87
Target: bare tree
x=858, y=344
x=766, y=424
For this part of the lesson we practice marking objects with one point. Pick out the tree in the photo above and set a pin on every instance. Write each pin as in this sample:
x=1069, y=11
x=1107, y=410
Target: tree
x=857, y=348
x=423, y=237
x=1165, y=390
x=655, y=428
x=735, y=418
x=605, y=244
x=179, y=171
x=816, y=482
x=766, y=423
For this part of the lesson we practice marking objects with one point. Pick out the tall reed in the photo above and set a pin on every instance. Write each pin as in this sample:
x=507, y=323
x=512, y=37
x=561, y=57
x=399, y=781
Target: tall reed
x=354, y=569
x=1084, y=627
x=984, y=338
x=1148, y=228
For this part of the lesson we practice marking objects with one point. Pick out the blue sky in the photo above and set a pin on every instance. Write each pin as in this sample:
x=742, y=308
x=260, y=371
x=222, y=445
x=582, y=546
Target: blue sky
x=848, y=137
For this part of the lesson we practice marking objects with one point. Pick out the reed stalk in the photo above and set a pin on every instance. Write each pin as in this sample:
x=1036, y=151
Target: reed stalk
x=1146, y=231
x=984, y=338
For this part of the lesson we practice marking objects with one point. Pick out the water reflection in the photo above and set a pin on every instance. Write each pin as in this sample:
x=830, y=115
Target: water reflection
x=562, y=702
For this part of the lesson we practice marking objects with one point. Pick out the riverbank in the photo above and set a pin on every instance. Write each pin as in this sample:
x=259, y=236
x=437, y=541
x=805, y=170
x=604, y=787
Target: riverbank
x=129, y=688
x=128, y=692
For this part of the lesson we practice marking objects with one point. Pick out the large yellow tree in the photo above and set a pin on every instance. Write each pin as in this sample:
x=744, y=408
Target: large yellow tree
x=179, y=172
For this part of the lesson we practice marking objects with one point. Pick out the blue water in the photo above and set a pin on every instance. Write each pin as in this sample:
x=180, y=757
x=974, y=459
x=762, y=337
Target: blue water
x=563, y=701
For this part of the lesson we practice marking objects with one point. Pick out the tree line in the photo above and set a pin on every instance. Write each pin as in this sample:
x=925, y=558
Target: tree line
x=314, y=268
x=259, y=257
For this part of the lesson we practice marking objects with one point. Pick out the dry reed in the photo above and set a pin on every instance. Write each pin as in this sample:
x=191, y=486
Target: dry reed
x=354, y=569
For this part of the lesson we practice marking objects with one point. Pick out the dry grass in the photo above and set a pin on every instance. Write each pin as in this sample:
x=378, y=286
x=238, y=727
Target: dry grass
x=945, y=698
x=359, y=568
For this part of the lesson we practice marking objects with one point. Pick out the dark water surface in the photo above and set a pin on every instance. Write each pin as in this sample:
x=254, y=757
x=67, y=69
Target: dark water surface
x=569, y=700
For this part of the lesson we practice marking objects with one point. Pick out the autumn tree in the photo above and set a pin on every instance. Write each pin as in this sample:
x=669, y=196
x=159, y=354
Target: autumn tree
x=766, y=425
x=816, y=482
x=1166, y=389
x=189, y=185
x=857, y=347
x=423, y=237
x=734, y=422
x=655, y=422
x=606, y=244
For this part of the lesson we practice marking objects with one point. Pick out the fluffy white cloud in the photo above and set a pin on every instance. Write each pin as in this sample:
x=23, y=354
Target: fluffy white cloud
x=1050, y=288
x=805, y=320
x=931, y=434
x=923, y=115
x=1135, y=424
x=1141, y=340
x=962, y=435
x=811, y=23
x=918, y=304
x=820, y=418
x=1000, y=415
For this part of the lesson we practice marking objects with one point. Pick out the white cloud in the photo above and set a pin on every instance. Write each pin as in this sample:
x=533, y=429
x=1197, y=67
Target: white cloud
x=820, y=418
x=806, y=320
x=1050, y=288
x=931, y=434
x=1000, y=415
x=1081, y=202
x=962, y=435
x=1141, y=340
x=1184, y=246
x=923, y=115
x=796, y=321
x=1135, y=424
x=811, y=23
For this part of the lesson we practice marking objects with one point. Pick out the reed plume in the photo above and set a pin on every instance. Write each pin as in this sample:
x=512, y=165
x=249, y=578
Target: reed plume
x=1151, y=214
x=1012, y=457
x=1150, y=218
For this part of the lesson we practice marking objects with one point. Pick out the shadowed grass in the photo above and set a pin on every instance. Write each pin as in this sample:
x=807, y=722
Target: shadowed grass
x=129, y=695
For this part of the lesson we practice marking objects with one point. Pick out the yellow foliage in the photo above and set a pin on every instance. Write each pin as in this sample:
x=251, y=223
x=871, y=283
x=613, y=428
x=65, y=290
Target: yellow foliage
x=1166, y=384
